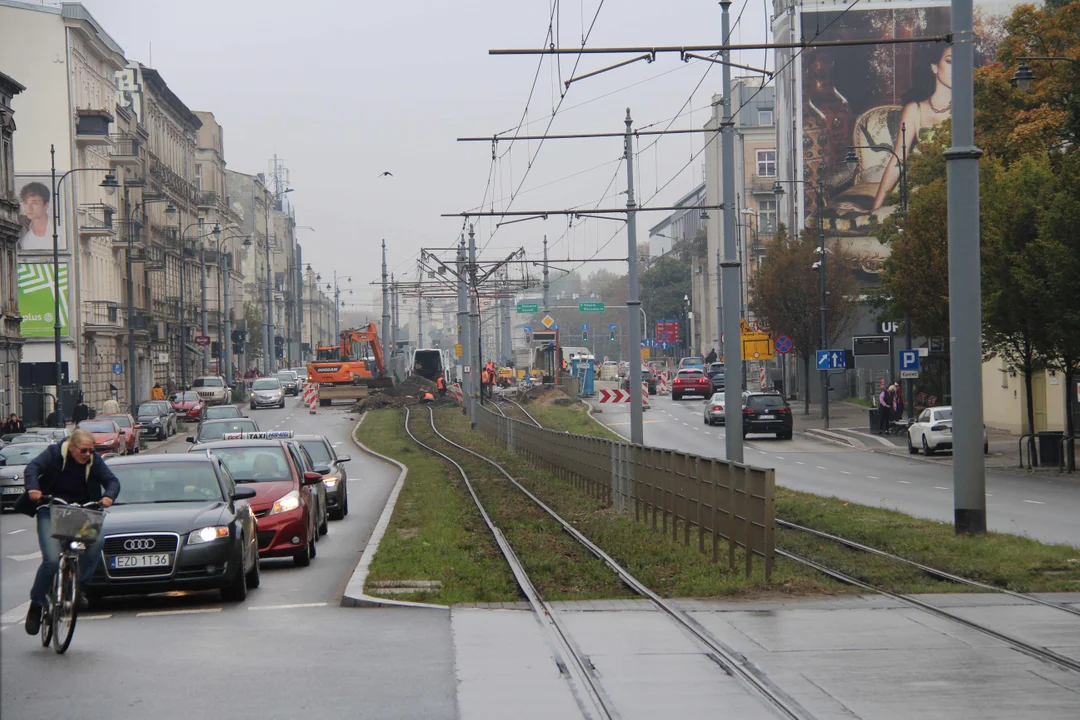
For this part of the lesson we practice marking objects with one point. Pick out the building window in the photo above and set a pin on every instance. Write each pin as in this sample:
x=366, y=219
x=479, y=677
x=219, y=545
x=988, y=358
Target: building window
x=198, y=177
x=764, y=117
x=767, y=216
x=766, y=163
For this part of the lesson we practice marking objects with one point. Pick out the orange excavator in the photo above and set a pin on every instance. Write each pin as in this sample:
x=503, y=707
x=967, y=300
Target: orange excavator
x=346, y=371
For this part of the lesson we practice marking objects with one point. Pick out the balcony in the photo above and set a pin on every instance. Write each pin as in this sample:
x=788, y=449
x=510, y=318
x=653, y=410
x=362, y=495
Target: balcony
x=125, y=150
x=762, y=185
x=209, y=199
x=96, y=220
x=92, y=127
x=128, y=230
x=104, y=316
x=162, y=175
x=154, y=257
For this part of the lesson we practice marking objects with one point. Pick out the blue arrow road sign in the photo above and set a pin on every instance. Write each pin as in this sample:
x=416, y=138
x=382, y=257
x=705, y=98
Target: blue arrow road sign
x=830, y=359
x=909, y=359
x=554, y=327
x=612, y=326
x=528, y=328
x=584, y=326
x=646, y=342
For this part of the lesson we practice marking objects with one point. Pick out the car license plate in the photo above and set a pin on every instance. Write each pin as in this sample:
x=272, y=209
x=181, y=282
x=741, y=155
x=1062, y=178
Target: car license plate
x=11, y=491
x=140, y=561
x=768, y=417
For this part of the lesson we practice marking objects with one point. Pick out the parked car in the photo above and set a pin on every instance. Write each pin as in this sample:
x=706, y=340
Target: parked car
x=647, y=376
x=29, y=437
x=717, y=376
x=691, y=382
x=932, y=431
x=212, y=430
x=286, y=498
x=220, y=412
x=212, y=389
x=289, y=381
x=13, y=461
x=132, y=431
x=156, y=420
x=108, y=436
x=767, y=412
x=332, y=467
x=55, y=434
x=179, y=523
x=187, y=404
x=266, y=392
x=714, y=410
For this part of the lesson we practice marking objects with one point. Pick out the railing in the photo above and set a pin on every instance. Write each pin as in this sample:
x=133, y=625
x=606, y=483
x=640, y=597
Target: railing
x=125, y=145
x=104, y=314
x=95, y=218
x=674, y=492
x=208, y=198
x=1030, y=437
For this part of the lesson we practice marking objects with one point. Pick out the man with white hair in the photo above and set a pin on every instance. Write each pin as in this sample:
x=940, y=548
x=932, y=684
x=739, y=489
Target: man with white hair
x=73, y=472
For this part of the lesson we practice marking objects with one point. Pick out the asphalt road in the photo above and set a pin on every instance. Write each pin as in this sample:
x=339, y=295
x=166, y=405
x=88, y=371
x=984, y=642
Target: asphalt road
x=290, y=649
x=1041, y=507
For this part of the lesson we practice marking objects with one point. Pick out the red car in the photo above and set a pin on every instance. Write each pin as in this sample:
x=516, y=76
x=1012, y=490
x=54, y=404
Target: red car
x=187, y=405
x=108, y=436
x=286, y=503
x=132, y=431
x=691, y=382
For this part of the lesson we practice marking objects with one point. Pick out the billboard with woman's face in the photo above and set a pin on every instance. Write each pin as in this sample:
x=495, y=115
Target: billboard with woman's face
x=880, y=102
x=36, y=215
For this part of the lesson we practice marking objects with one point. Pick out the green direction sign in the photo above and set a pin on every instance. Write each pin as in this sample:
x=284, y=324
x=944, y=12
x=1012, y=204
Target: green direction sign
x=525, y=308
x=37, y=302
x=590, y=307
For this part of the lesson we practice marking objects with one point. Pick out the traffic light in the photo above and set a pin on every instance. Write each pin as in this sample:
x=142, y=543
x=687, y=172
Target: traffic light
x=528, y=337
x=584, y=336
x=611, y=335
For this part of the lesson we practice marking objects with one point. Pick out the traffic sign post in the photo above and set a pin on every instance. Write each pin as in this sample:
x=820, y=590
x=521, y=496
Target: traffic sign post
x=548, y=321
x=783, y=344
x=202, y=340
x=831, y=360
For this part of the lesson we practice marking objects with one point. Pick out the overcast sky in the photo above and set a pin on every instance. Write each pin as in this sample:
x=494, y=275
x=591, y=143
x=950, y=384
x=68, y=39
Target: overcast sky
x=343, y=90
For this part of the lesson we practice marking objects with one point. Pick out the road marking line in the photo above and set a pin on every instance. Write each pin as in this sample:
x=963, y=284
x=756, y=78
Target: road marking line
x=193, y=611
x=16, y=532
x=686, y=423
x=872, y=477
x=95, y=617
x=821, y=468
x=844, y=472
x=28, y=556
x=938, y=487
x=904, y=482
x=287, y=607
x=779, y=458
x=799, y=463
x=15, y=614
x=1034, y=502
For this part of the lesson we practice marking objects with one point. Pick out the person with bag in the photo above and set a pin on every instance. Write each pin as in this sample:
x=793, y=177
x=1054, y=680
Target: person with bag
x=73, y=472
x=885, y=402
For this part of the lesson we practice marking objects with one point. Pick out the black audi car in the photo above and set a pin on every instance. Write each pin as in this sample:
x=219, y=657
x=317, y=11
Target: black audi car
x=180, y=523
x=332, y=467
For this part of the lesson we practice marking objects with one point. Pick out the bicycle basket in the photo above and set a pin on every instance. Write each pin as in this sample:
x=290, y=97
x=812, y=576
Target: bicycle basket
x=75, y=523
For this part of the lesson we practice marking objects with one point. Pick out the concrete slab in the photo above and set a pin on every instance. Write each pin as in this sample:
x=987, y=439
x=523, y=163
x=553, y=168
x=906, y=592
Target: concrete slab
x=505, y=668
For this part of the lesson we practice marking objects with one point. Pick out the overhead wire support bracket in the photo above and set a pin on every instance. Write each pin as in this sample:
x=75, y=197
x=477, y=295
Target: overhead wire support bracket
x=585, y=136
x=599, y=217
x=799, y=45
x=597, y=211
x=651, y=57
x=686, y=57
x=524, y=219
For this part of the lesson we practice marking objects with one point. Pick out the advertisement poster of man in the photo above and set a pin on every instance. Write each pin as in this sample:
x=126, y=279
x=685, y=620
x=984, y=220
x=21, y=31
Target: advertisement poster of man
x=883, y=99
x=35, y=215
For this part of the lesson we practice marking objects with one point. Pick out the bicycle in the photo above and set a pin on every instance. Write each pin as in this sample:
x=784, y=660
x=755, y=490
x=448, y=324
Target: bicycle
x=76, y=527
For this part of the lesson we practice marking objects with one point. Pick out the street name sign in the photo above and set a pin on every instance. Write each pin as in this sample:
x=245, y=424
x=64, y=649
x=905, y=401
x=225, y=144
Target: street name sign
x=524, y=308
x=909, y=374
x=591, y=307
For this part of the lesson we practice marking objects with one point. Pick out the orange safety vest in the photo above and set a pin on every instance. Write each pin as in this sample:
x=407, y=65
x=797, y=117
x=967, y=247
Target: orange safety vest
x=428, y=396
x=440, y=383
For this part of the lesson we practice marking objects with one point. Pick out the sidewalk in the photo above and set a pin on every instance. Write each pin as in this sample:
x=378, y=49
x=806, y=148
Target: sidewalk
x=850, y=423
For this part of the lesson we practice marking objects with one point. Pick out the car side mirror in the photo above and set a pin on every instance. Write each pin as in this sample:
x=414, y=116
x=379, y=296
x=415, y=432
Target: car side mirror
x=312, y=478
x=191, y=438
x=243, y=493
x=344, y=458
x=323, y=469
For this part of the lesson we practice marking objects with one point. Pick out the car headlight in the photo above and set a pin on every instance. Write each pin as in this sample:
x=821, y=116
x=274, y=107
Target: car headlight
x=288, y=501
x=207, y=534
x=330, y=481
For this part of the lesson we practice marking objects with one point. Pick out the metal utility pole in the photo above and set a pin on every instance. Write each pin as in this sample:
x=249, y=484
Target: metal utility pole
x=730, y=326
x=824, y=295
x=227, y=335
x=385, y=310
x=268, y=308
x=547, y=285
x=462, y=312
x=394, y=319
x=474, y=332
x=131, y=226
x=637, y=434
x=420, y=319
x=508, y=342
x=965, y=290
x=205, y=324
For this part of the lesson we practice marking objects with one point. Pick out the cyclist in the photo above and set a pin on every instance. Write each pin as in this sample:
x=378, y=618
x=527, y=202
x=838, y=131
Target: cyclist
x=75, y=473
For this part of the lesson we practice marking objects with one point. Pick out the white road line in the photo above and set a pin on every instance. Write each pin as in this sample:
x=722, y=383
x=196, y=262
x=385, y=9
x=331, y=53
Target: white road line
x=94, y=617
x=16, y=532
x=779, y=458
x=28, y=556
x=193, y=611
x=872, y=477
x=844, y=472
x=904, y=482
x=1034, y=502
x=15, y=614
x=287, y=607
x=821, y=468
x=686, y=423
x=799, y=463
x=938, y=487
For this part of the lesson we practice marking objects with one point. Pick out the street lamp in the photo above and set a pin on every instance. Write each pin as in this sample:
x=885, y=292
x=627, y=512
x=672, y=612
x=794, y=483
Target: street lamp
x=312, y=279
x=337, y=301
x=56, y=182
x=268, y=335
x=778, y=191
x=181, y=236
x=224, y=320
x=1024, y=76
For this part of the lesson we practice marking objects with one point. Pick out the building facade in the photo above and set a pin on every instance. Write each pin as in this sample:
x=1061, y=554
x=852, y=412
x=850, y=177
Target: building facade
x=11, y=340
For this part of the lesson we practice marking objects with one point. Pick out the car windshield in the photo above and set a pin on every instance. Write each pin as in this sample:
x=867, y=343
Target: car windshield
x=285, y=376
x=29, y=438
x=210, y=431
x=22, y=453
x=763, y=402
x=149, y=409
x=222, y=411
x=255, y=464
x=208, y=382
x=121, y=420
x=146, y=482
x=717, y=398
x=266, y=384
x=98, y=426
x=691, y=374
x=693, y=361
x=943, y=414
x=716, y=368
x=185, y=397
x=317, y=450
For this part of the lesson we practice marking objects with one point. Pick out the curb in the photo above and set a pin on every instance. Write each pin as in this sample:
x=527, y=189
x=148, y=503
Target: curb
x=835, y=438
x=354, y=595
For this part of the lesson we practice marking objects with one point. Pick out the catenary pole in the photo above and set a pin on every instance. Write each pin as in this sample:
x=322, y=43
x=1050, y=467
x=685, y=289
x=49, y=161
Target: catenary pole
x=474, y=332
x=633, y=304
x=547, y=285
x=965, y=291
x=385, y=312
x=729, y=287
x=462, y=321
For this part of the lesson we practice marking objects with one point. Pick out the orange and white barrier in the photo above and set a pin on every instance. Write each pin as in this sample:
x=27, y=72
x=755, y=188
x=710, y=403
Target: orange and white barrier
x=645, y=395
x=763, y=381
x=662, y=386
x=311, y=396
x=455, y=390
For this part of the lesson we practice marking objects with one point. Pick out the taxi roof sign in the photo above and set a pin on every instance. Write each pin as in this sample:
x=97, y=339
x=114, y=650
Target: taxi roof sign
x=263, y=435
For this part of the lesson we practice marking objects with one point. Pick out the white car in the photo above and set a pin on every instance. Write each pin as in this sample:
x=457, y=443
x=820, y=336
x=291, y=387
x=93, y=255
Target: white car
x=932, y=431
x=714, y=410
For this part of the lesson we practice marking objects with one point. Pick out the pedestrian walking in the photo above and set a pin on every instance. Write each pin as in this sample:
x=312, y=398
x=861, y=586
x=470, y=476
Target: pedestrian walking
x=885, y=402
x=111, y=406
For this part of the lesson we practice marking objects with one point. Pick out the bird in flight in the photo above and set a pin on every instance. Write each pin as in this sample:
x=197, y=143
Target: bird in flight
x=387, y=173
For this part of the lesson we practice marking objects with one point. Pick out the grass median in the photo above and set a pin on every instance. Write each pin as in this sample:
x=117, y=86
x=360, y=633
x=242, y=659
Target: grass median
x=999, y=559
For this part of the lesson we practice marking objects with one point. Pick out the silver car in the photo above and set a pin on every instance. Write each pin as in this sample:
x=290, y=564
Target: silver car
x=13, y=462
x=714, y=410
x=267, y=392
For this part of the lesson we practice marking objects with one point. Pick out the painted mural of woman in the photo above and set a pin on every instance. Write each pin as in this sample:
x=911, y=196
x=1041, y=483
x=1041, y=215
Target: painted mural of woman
x=930, y=104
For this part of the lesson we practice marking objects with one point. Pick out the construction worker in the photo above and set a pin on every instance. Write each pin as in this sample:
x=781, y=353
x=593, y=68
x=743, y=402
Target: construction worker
x=440, y=383
x=428, y=397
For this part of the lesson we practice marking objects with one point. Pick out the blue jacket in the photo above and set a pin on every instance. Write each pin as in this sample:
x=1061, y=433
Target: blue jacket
x=100, y=480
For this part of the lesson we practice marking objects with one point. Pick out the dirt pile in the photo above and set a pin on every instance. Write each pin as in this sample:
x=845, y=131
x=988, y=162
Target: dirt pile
x=549, y=396
x=408, y=392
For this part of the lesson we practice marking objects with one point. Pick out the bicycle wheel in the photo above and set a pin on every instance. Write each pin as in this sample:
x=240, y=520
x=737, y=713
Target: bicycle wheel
x=66, y=607
x=46, y=616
